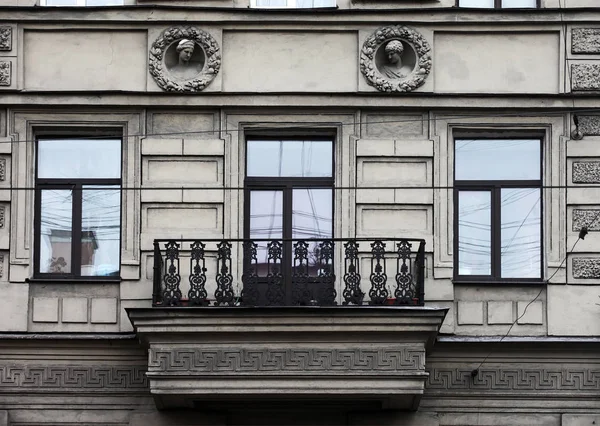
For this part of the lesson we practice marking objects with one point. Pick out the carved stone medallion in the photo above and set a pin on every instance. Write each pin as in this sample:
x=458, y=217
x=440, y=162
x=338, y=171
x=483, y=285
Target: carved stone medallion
x=395, y=59
x=184, y=59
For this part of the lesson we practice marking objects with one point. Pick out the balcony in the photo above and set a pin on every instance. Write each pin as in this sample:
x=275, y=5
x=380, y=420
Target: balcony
x=288, y=272
x=337, y=324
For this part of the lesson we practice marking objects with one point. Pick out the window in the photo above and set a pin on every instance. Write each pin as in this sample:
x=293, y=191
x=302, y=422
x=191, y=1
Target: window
x=499, y=4
x=78, y=208
x=498, y=209
x=82, y=2
x=289, y=195
x=291, y=4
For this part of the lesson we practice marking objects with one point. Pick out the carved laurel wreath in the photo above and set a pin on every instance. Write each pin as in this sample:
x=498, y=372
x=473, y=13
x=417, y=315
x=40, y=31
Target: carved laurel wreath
x=383, y=35
x=204, y=78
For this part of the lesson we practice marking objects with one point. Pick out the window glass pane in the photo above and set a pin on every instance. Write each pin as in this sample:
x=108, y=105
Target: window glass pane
x=104, y=2
x=61, y=2
x=79, y=158
x=55, y=236
x=315, y=3
x=474, y=233
x=494, y=159
x=266, y=220
x=476, y=3
x=290, y=158
x=519, y=3
x=271, y=3
x=100, y=231
x=521, y=233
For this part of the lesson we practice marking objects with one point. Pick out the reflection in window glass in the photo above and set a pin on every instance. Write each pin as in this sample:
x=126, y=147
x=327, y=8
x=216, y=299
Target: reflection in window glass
x=497, y=159
x=476, y=3
x=289, y=158
x=56, y=231
x=100, y=231
x=474, y=233
x=519, y=3
x=312, y=212
x=79, y=158
x=521, y=233
x=266, y=219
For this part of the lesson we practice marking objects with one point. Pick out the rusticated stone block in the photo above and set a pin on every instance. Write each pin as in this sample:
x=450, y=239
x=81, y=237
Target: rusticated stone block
x=5, y=38
x=585, y=40
x=470, y=313
x=5, y=73
x=585, y=77
x=589, y=125
x=586, y=172
x=586, y=217
x=586, y=267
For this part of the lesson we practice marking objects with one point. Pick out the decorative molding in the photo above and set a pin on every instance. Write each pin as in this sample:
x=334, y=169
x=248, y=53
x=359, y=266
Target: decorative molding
x=586, y=172
x=305, y=360
x=6, y=38
x=72, y=378
x=586, y=267
x=515, y=379
x=168, y=40
x=2, y=216
x=585, y=40
x=586, y=217
x=371, y=60
x=589, y=125
x=5, y=73
x=585, y=77
x=1, y=265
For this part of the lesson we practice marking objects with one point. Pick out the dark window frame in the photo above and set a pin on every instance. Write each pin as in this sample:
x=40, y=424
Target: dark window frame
x=495, y=187
x=76, y=186
x=498, y=5
x=287, y=185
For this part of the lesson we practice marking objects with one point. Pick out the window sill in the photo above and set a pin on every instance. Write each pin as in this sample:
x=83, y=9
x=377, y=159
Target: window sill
x=500, y=282
x=71, y=280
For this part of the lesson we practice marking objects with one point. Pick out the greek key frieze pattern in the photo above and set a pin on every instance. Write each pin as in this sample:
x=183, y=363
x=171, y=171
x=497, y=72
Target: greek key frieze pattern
x=286, y=360
x=547, y=379
x=98, y=378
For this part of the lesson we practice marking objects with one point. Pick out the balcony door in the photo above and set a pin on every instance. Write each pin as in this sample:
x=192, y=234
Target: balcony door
x=289, y=216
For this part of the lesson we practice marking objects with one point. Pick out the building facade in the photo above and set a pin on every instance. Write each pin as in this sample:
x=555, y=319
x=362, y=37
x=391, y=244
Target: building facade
x=293, y=212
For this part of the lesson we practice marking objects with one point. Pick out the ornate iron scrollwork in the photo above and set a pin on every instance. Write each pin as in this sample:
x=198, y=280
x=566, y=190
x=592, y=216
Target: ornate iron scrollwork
x=250, y=276
x=171, y=295
x=326, y=275
x=352, y=292
x=378, y=293
x=224, y=295
x=275, y=293
x=197, y=294
x=301, y=295
x=404, y=293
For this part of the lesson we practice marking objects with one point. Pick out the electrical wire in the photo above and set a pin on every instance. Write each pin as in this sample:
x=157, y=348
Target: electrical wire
x=582, y=233
x=303, y=126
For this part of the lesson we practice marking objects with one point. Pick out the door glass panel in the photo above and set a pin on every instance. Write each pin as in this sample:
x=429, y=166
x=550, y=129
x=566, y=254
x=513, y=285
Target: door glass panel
x=266, y=222
x=474, y=233
x=312, y=211
x=497, y=159
x=56, y=231
x=289, y=158
x=100, y=231
x=521, y=233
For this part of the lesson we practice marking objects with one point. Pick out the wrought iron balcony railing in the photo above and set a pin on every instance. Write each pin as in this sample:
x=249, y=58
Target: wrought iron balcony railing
x=258, y=272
